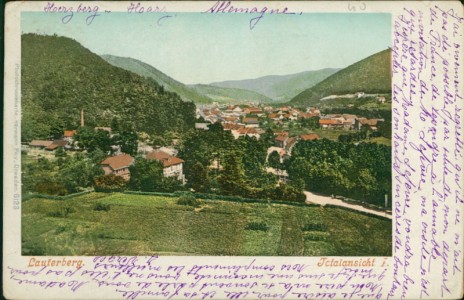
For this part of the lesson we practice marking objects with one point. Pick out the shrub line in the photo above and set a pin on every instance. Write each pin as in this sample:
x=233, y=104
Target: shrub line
x=42, y=196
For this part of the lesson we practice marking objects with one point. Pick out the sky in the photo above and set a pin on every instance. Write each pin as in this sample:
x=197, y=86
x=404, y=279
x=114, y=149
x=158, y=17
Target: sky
x=203, y=48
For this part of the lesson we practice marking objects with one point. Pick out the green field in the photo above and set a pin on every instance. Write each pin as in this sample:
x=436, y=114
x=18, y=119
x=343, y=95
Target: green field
x=147, y=225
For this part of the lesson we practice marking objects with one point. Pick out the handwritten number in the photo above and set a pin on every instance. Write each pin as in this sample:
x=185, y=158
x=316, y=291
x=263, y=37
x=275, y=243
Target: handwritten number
x=357, y=6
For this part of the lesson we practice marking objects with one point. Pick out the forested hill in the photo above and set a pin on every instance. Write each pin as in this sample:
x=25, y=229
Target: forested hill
x=60, y=77
x=370, y=75
x=170, y=84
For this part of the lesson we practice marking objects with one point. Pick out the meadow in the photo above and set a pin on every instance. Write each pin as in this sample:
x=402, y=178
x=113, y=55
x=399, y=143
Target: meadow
x=123, y=224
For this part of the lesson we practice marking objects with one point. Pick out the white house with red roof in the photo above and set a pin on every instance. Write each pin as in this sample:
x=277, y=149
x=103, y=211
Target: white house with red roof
x=118, y=165
x=172, y=165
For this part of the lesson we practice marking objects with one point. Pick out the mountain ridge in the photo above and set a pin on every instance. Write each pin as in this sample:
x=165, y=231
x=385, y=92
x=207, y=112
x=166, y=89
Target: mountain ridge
x=369, y=75
x=280, y=87
x=146, y=70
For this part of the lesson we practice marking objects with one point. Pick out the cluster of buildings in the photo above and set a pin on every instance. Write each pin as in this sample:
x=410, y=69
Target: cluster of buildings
x=119, y=163
x=246, y=120
x=241, y=120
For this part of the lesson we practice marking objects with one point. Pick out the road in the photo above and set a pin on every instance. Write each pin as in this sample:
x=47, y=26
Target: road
x=323, y=200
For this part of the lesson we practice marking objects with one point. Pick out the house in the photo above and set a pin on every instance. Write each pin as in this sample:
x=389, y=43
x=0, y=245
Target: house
x=381, y=99
x=245, y=131
x=289, y=144
x=118, y=165
x=313, y=110
x=202, y=126
x=281, y=140
x=39, y=144
x=231, y=126
x=57, y=144
x=372, y=123
x=231, y=119
x=331, y=123
x=172, y=166
x=250, y=122
x=252, y=110
x=275, y=117
x=309, y=137
x=69, y=135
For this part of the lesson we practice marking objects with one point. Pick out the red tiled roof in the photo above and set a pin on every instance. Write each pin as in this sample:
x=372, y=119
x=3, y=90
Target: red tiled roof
x=69, y=133
x=290, y=142
x=329, y=122
x=308, y=115
x=250, y=120
x=245, y=130
x=119, y=161
x=252, y=110
x=230, y=119
x=231, y=126
x=281, y=137
x=273, y=116
x=309, y=137
x=40, y=143
x=370, y=122
x=56, y=144
x=166, y=159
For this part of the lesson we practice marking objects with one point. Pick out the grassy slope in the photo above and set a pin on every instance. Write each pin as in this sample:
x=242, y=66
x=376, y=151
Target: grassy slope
x=228, y=95
x=280, y=88
x=147, y=70
x=144, y=225
x=370, y=75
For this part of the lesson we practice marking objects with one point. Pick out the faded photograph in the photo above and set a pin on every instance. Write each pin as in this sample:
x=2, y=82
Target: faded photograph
x=194, y=134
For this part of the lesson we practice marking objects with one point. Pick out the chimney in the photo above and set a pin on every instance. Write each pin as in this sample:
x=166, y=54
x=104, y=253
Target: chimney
x=82, y=118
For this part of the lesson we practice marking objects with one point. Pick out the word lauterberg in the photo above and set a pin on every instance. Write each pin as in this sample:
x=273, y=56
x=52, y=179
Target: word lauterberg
x=332, y=262
x=33, y=262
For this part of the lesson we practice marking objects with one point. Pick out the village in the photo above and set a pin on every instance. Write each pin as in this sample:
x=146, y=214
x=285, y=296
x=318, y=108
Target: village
x=250, y=120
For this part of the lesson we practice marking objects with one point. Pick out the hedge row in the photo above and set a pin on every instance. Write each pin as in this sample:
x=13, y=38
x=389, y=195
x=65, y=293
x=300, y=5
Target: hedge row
x=42, y=196
x=205, y=196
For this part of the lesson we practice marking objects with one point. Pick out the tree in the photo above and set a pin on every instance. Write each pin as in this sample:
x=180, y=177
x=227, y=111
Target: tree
x=199, y=182
x=274, y=160
x=60, y=152
x=109, y=183
x=268, y=137
x=78, y=172
x=91, y=140
x=232, y=177
x=146, y=175
x=127, y=140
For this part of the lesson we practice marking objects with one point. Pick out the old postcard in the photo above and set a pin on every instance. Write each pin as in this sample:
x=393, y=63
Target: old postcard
x=233, y=150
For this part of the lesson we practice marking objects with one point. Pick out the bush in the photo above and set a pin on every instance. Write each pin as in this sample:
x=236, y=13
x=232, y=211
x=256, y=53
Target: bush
x=188, y=199
x=62, y=212
x=101, y=207
x=51, y=188
x=257, y=226
x=314, y=227
x=109, y=183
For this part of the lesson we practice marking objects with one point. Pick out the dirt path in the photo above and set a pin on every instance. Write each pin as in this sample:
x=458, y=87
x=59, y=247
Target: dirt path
x=323, y=200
